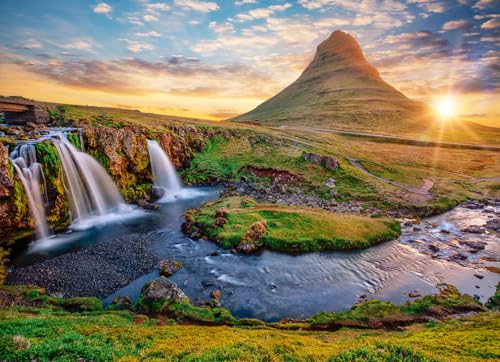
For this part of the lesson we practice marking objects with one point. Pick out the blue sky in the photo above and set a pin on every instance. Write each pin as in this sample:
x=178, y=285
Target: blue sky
x=219, y=58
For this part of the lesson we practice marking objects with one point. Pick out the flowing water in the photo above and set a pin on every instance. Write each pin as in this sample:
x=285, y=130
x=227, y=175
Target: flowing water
x=272, y=285
x=166, y=181
x=31, y=175
x=92, y=193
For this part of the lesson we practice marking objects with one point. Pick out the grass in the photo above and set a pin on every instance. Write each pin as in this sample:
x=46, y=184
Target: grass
x=26, y=335
x=292, y=229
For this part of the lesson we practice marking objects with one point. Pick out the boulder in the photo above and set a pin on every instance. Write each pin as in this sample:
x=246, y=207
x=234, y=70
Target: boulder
x=329, y=162
x=170, y=267
x=222, y=212
x=143, y=204
x=251, y=240
x=162, y=290
x=493, y=224
x=219, y=222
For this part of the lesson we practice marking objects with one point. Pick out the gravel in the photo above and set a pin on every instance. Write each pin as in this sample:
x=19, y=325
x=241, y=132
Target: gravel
x=97, y=271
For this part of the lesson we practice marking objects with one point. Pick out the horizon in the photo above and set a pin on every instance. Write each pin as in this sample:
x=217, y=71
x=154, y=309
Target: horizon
x=215, y=60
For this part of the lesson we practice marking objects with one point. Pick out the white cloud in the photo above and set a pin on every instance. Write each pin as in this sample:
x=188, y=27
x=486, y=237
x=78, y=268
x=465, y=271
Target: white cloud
x=197, y=5
x=221, y=28
x=150, y=18
x=79, y=44
x=483, y=4
x=153, y=7
x=102, y=8
x=135, y=46
x=243, y=2
x=32, y=44
x=153, y=34
x=134, y=20
x=461, y=24
x=261, y=13
x=491, y=24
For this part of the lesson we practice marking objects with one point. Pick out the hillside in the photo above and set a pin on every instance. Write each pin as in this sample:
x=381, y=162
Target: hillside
x=339, y=89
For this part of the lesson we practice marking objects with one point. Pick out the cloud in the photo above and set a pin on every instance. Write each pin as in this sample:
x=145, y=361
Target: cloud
x=491, y=24
x=32, y=44
x=261, y=13
x=221, y=28
x=155, y=7
x=197, y=5
x=421, y=39
x=135, y=46
x=462, y=24
x=134, y=20
x=153, y=34
x=79, y=44
x=243, y=2
x=102, y=8
x=483, y=4
x=150, y=18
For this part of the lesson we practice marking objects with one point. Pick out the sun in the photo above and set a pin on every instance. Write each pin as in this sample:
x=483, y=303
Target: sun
x=446, y=107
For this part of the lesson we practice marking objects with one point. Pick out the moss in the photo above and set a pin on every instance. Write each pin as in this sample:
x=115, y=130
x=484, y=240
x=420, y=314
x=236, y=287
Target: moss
x=59, y=208
x=138, y=191
x=3, y=264
x=185, y=311
x=74, y=138
x=83, y=304
x=494, y=301
x=292, y=229
x=100, y=157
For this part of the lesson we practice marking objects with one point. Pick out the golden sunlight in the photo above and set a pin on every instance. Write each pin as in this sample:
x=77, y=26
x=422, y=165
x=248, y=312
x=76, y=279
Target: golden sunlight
x=446, y=107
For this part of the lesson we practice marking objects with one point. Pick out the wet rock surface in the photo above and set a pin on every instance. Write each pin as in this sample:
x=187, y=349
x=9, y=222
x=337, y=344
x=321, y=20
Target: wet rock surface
x=97, y=270
x=170, y=267
x=466, y=235
x=164, y=290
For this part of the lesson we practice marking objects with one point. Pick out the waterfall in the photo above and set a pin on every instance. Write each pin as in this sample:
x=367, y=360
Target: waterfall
x=31, y=175
x=166, y=180
x=91, y=190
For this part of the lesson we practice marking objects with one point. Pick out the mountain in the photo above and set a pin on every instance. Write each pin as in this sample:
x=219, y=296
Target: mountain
x=339, y=89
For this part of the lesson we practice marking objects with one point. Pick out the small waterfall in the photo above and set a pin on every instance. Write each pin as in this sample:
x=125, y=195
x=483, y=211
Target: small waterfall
x=165, y=176
x=91, y=190
x=31, y=175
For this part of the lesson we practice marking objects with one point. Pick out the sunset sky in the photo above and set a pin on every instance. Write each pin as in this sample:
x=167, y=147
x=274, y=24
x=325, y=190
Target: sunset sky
x=215, y=59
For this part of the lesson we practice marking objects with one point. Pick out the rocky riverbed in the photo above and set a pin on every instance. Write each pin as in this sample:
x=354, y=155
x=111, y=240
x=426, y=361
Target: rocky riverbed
x=468, y=234
x=97, y=270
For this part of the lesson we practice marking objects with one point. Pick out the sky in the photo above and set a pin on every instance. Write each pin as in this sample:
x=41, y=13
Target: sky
x=216, y=59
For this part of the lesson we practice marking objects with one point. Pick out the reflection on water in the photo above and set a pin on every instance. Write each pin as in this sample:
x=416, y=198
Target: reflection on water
x=272, y=285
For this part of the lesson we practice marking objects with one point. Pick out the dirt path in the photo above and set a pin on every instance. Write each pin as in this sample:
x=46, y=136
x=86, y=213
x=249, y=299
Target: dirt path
x=396, y=139
x=419, y=195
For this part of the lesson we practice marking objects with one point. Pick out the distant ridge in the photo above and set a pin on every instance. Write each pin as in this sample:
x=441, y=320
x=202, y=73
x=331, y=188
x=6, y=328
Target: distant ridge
x=339, y=89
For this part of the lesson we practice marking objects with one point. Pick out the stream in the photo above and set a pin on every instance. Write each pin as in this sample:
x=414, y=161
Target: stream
x=273, y=286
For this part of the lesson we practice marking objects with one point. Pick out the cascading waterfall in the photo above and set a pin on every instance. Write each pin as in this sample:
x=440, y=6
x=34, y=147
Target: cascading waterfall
x=91, y=190
x=31, y=175
x=165, y=177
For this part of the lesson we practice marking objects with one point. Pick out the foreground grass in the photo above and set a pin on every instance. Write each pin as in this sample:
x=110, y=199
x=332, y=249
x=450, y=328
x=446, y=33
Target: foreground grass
x=291, y=229
x=37, y=334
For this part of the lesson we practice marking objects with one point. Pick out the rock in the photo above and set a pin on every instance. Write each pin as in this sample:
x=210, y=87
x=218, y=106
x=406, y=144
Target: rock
x=222, y=212
x=6, y=180
x=458, y=257
x=474, y=245
x=251, y=240
x=163, y=290
x=169, y=267
x=122, y=303
x=143, y=204
x=414, y=294
x=474, y=229
x=479, y=276
x=219, y=222
x=328, y=161
x=434, y=247
x=216, y=294
x=493, y=224
x=214, y=253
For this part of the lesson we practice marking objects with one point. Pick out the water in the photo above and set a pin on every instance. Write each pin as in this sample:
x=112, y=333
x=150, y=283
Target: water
x=92, y=192
x=31, y=175
x=271, y=285
x=166, y=181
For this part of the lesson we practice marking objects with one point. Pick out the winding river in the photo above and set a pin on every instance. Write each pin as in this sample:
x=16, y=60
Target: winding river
x=273, y=286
